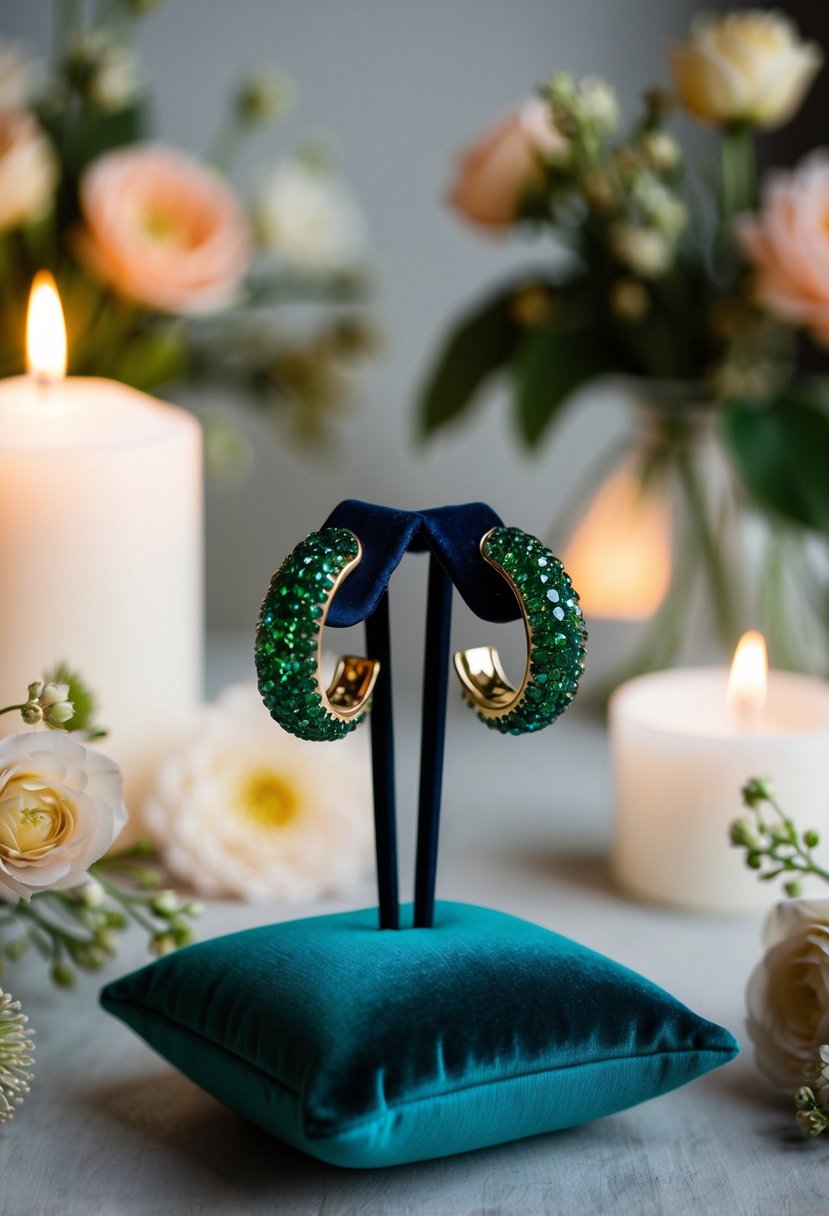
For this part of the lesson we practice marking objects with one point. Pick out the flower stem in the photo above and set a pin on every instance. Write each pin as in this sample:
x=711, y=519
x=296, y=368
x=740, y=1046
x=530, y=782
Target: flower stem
x=739, y=176
x=717, y=574
x=130, y=903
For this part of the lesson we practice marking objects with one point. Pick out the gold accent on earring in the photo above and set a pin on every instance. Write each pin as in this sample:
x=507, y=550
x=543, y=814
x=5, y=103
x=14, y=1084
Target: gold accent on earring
x=480, y=669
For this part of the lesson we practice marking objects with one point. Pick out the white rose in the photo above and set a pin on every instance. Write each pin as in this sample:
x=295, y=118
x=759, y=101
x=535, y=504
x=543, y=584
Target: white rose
x=788, y=993
x=744, y=67
x=61, y=808
x=309, y=217
x=28, y=170
x=245, y=810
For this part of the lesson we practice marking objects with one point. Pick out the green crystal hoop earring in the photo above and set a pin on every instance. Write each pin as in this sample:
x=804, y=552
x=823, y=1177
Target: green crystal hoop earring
x=555, y=639
x=289, y=641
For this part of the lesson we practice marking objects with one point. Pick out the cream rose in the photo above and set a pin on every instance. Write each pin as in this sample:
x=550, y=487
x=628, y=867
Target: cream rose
x=61, y=808
x=163, y=229
x=244, y=809
x=744, y=67
x=787, y=244
x=28, y=170
x=788, y=993
x=493, y=175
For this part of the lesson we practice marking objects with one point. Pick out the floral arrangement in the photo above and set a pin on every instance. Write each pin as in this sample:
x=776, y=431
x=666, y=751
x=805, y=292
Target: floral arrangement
x=244, y=811
x=165, y=273
x=62, y=891
x=788, y=992
x=705, y=287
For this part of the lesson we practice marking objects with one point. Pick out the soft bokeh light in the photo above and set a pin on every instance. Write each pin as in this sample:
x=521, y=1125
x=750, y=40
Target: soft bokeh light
x=619, y=556
x=45, y=330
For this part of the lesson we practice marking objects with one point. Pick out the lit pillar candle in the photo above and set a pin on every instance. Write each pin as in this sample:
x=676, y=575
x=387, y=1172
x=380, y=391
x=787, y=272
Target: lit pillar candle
x=684, y=744
x=100, y=547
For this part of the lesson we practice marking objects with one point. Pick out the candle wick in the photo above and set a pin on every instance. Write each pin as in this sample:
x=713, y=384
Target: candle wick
x=747, y=714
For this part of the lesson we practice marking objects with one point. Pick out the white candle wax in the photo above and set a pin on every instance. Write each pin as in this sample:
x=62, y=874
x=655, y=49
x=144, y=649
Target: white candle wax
x=681, y=758
x=101, y=557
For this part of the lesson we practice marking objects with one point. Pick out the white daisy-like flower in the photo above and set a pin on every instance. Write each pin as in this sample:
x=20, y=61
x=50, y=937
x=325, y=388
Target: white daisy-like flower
x=309, y=217
x=16, y=1061
x=243, y=809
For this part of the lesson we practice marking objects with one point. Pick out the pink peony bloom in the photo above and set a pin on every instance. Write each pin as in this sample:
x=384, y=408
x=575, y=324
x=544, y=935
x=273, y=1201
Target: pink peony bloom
x=787, y=243
x=495, y=172
x=163, y=229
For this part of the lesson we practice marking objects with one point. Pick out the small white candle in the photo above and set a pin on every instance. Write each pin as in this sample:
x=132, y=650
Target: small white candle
x=101, y=552
x=683, y=748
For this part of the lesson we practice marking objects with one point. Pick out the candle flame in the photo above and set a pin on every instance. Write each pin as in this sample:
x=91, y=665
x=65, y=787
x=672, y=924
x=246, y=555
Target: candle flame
x=45, y=331
x=619, y=556
x=748, y=680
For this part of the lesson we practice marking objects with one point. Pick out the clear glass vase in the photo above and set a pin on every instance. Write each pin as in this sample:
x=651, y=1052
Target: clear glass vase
x=669, y=538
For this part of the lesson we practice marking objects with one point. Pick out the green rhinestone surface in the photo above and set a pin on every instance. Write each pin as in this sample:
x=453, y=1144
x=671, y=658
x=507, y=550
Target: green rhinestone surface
x=558, y=635
x=288, y=631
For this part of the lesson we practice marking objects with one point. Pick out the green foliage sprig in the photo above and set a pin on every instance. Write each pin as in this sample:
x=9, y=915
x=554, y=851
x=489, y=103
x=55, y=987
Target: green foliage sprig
x=774, y=845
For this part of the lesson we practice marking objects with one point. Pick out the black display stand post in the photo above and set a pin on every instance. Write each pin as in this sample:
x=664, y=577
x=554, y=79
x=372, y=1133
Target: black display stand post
x=432, y=739
x=378, y=643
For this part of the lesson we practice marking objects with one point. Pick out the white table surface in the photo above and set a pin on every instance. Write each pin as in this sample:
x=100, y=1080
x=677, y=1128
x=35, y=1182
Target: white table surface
x=112, y=1130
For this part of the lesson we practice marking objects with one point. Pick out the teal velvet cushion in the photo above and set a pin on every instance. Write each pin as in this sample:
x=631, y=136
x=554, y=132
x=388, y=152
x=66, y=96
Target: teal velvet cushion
x=369, y=1048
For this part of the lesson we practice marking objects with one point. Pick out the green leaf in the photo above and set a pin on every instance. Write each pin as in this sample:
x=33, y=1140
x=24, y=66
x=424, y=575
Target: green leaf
x=100, y=132
x=483, y=342
x=551, y=364
x=151, y=359
x=782, y=452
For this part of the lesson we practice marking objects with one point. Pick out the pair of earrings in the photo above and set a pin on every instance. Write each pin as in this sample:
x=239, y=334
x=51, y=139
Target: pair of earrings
x=289, y=640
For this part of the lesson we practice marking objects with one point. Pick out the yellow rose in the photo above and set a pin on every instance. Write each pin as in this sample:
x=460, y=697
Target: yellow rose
x=744, y=67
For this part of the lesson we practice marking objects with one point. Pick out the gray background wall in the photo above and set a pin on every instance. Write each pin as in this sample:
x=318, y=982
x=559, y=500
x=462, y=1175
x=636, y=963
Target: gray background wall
x=404, y=86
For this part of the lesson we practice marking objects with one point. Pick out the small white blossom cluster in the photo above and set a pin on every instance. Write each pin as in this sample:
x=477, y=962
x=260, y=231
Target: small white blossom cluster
x=103, y=71
x=629, y=188
x=48, y=703
x=812, y=1101
x=16, y=1061
x=584, y=111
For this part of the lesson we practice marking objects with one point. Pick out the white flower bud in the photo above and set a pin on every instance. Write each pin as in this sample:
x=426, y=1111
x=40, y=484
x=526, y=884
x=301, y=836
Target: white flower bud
x=596, y=105
x=660, y=206
x=165, y=903
x=661, y=150
x=91, y=894
x=644, y=250
x=812, y=1122
x=52, y=694
x=31, y=713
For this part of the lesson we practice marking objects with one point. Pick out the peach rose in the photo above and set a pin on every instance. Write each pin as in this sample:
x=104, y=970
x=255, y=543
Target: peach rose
x=787, y=244
x=495, y=172
x=163, y=229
